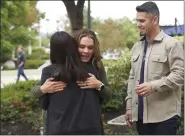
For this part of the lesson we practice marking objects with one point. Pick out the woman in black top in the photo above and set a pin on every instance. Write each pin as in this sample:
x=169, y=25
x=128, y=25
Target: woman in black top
x=87, y=119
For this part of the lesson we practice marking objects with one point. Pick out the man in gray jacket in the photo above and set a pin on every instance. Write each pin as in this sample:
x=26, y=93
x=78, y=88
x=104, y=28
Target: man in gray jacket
x=156, y=77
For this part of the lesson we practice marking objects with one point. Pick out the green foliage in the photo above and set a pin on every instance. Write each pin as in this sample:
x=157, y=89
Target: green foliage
x=6, y=53
x=117, y=74
x=180, y=38
x=6, y=68
x=108, y=63
x=107, y=130
x=130, y=132
x=38, y=53
x=16, y=100
x=117, y=33
x=30, y=64
x=18, y=103
x=45, y=42
x=17, y=17
x=112, y=33
x=34, y=64
x=36, y=59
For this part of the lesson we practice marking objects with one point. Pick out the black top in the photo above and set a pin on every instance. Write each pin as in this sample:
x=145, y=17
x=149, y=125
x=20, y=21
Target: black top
x=21, y=58
x=140, y=106
x=73, y=109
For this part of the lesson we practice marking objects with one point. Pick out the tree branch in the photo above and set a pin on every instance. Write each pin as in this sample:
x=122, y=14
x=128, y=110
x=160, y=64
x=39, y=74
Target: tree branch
x=69, y=4
x=71, y=11
x=80, y=4
x=75, y=13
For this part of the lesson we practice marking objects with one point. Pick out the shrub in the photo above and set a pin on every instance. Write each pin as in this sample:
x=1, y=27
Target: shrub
x=34, y=64
x=117, y=74
x=6, y=68
x=38, y=53
x=17, y=103
x=30, y=64
x=108, y=63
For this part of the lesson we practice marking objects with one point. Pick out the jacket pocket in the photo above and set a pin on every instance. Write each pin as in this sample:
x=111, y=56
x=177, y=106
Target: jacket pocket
x=135, y=58
x=158, y=64
x=160, y=59
x=135, y=62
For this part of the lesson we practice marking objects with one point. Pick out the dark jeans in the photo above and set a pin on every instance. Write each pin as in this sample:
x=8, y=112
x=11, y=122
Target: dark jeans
x=167, y=127
x=21, y=72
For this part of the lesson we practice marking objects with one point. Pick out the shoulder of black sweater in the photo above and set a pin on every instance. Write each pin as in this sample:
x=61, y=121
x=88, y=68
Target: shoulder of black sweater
x=49, y=67
x=46, y=68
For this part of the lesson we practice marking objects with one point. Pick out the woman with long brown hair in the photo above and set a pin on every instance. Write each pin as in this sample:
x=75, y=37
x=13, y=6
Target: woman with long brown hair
x=94, y=89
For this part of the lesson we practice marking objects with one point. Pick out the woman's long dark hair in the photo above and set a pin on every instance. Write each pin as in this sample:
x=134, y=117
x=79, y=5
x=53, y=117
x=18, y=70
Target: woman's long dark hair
x=65, y=58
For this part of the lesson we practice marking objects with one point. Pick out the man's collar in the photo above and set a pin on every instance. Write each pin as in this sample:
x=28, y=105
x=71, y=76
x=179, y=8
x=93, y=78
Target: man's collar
x=143, y=38
x=159, y=37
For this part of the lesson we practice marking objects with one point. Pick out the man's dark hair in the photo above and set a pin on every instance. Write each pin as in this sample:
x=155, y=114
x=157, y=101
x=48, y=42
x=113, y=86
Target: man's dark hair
x=65, y=58
x=149, y=7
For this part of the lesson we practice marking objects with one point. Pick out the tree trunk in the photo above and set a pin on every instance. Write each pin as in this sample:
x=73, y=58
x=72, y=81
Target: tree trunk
x=75, y=14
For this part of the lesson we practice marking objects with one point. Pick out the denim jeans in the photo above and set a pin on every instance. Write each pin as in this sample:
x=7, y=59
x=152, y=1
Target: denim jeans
x=21, y=72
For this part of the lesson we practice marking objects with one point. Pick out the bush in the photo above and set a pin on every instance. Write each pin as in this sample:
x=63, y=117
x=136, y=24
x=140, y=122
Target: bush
x=34, y=64
x=180, y=38
x=108, y=63
x=38, y=53
x=17, y=103
x=6, y=68
x=30, y=64
x=117, y=74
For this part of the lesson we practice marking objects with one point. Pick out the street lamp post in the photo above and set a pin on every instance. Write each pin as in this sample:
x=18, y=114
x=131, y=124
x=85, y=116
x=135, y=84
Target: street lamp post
x=29, y=46
x=89, y=14
x=176, y=26
x=48, y=25
x=57, y=24
x=39, y=35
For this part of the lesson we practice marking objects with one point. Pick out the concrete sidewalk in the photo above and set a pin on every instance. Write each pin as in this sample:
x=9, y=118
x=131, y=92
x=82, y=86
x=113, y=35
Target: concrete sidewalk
x=10, y=76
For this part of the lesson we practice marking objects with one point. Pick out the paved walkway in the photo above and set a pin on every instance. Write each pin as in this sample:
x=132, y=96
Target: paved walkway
x=10, y=76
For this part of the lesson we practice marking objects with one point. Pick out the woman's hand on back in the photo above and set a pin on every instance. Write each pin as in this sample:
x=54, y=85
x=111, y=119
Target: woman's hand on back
x=91, y=82
x=51, y=86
